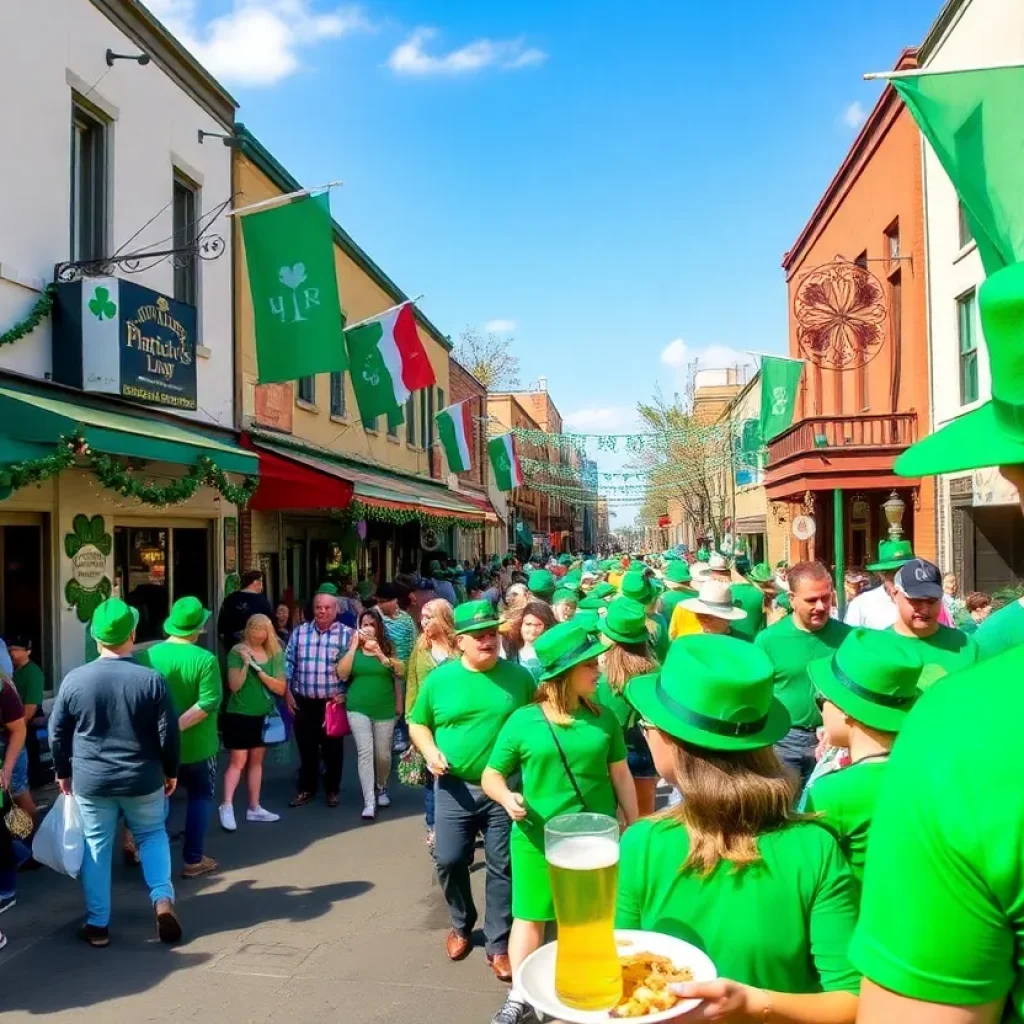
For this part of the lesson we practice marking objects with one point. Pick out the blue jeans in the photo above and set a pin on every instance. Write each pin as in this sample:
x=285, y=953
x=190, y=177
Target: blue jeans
x=796, y=751
x=199, y=781
x=428, y=801
x=144, y=815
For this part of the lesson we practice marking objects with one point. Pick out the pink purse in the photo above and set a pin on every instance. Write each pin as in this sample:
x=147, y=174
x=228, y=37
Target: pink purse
x=336, y=721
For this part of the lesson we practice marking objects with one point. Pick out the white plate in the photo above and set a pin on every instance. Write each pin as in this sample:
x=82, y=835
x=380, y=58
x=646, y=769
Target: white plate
x=537, y=976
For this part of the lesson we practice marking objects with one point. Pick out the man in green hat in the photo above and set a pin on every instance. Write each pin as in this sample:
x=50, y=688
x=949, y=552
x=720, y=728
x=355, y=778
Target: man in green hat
x=114, y=738
x=563, y=604
x=193, y=678
x=458, y=714
x=876, y=608
x=541, y=584
x=865, y=692
x=677, y=582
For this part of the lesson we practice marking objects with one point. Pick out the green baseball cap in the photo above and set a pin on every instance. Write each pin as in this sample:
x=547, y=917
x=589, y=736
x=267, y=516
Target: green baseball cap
x=891, y=555
x=563, y=646
x=476, y=617
x=626, y=622
x=113, y=622
x=187, y=616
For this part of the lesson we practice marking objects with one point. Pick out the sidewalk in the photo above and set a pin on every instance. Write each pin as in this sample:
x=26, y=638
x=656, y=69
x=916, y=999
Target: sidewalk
x=314, y=918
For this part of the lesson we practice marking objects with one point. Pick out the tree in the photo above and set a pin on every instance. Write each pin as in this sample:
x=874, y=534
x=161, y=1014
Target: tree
x=489, y=358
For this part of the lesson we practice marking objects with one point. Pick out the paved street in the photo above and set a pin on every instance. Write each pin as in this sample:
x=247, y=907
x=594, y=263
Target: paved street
x=315, y=918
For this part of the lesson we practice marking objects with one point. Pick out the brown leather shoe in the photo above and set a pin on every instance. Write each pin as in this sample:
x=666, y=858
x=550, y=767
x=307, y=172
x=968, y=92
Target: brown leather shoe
x=168, y=927
x=501, y=965
x=456, y=946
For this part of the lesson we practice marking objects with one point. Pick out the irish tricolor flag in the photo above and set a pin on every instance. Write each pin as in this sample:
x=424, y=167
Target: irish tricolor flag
x=508, y=473
x=387, y=361
x=455, y=428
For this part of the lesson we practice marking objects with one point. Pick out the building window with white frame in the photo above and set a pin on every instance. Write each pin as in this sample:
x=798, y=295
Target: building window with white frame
x=338, y=407
x=307, y=390
x=186, y=229
x=89, y=164
x=967, y=337
x=964, y=233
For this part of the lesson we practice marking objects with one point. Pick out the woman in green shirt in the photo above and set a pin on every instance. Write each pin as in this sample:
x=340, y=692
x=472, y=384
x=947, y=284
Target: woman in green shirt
x=255, y=677
x=372, y=673
x=572, y=757
x=733, y=869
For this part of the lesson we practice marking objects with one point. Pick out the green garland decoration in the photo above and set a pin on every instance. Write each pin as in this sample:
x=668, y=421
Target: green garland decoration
x=35, y=471
x=113, y=475
x=401, y=516
x=36, y=315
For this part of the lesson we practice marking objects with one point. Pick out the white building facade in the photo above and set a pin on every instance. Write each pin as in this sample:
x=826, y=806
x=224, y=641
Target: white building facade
x=980, y=532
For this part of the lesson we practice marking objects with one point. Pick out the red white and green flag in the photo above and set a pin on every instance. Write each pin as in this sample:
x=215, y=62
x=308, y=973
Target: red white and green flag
x=508, y=473
x=455, y=429
x=387, y=361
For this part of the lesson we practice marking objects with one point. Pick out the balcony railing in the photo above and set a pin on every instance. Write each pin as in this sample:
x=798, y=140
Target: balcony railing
x=829, y=434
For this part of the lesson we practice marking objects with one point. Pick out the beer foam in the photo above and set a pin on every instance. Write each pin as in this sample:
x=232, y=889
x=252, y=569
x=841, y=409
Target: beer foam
x=584, y=853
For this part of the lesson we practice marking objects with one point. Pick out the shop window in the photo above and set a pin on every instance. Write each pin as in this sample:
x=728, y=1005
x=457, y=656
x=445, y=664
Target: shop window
x=337, y=394
x=964, y=233
x=186, y=221
x=967, y=334
x=89, y=163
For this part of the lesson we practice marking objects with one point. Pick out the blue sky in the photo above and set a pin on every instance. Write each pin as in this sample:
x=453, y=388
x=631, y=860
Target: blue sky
x=604, y=178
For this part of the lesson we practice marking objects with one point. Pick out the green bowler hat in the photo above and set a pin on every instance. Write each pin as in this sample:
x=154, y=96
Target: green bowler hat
x=187, y=616
x=561, y=647
x=626, y=622
x=713, y=691
x=113, y=622
x=541, y=583
x=678, y=572
x=872, y=676
x=475, y=617
x=891, y=555
x=761, y=573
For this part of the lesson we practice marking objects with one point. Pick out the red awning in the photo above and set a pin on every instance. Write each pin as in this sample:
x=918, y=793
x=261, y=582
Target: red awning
x=287, y=483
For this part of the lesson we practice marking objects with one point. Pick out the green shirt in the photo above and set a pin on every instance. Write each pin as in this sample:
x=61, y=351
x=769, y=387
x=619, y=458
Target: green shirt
x=30, y=683
x=192, y=675
x=1001, y=630
x=942, y=917
x=465, y=710
x=371, y=688
x=671, y=598
x=847, y=799
x=782, y=924
x=659, y=636
x=253, y=698
x=944, y=652
x=751, y=600
x=616, y=703
x=590, y=743
x=791, y=649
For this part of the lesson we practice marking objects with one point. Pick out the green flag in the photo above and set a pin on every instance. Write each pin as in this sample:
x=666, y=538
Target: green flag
x=779, y=381
x=973, y=121
x=289, y=253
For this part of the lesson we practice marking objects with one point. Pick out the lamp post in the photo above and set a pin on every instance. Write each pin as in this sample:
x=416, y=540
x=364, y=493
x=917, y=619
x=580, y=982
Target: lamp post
x=894, y=507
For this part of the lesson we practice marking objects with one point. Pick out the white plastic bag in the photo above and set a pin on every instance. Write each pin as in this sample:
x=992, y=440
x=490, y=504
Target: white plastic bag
x=60, y=842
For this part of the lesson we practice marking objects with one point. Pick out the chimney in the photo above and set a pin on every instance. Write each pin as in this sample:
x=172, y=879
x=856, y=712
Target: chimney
x=542, y=383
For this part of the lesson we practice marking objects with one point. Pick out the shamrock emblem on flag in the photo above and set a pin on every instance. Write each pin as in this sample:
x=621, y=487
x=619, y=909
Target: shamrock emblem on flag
x=101, y=305
x=370, y=374
x=779, y=397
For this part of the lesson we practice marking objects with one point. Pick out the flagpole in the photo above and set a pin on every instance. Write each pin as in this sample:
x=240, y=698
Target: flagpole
x=921, y=72
x=274, y=200
x=774, y=355
x=384, y=312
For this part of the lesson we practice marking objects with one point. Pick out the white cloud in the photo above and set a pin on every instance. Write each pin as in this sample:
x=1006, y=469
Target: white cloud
x=602, y=418
x=410, y=57
x=855, y=115
x=675, y=353
x=680, y=358
x=500, y=326
x=258, y=42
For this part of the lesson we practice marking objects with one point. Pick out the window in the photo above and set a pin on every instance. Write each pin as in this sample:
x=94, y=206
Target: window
x=371, y=425
x=410, y=419
x=966, y=310
x=88, y=183
x=395, y=420
x=186, y=219
x=428, y=440
x=338, y=394
x=307, y=390
x=440, y=399
x=892, y=240
x=964, y=233
x=423, y=419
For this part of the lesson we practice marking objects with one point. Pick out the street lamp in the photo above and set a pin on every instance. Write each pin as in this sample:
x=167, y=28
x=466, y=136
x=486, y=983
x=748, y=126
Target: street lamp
x=894, y=507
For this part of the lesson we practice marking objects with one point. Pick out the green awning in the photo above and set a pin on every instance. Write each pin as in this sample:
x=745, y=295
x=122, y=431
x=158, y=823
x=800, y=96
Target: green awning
x=29, y=421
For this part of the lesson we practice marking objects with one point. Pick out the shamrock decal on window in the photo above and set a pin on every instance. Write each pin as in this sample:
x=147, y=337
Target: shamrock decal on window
x=88, y=547
x=101, y=305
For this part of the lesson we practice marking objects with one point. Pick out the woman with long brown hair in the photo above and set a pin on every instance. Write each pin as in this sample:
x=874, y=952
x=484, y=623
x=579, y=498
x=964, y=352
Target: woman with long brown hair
x=766, y=892
x=520, y=633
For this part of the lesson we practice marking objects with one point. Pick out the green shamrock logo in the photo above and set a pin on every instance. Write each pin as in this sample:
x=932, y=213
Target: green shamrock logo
x=101, y=304
x=87, y=531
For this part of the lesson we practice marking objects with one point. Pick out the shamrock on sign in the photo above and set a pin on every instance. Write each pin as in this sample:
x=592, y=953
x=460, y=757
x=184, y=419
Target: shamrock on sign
x=87, y=531
x=101, y=305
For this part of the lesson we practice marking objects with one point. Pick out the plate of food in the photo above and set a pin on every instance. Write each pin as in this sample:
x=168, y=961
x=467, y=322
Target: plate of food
x=651, y=962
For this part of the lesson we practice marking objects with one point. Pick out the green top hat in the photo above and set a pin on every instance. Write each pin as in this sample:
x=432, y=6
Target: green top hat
x=891, y=555
x=713, y=691
x=678, y=572
x=638, y=587
x=561, y=647
x=541, y=583
x=187, y=616
x=872, y=676
x=327, y=588
x=626, y=622
x=113, y=622
x=992, y=435
x=761, y=573
x=563, y=594
x=475, y=617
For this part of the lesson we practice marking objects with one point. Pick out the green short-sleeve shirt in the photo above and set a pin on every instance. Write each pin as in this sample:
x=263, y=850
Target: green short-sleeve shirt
x=371, y=688
x=782, y=924
x=659, y=636
x=616, y=703
x=847, y=800
x=465, y=710
x=944, y=652
x=253, y=698
x=791, y=650
x=751, y=600
x=942, y=915
x=1001, y=630
x=30, y=683
x=671, y=598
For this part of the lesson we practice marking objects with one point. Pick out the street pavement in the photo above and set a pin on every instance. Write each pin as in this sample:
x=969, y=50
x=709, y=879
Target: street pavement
x=314, y=918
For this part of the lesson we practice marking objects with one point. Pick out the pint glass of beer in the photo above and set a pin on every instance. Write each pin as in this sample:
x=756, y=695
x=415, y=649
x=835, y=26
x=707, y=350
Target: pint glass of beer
x=583, y=861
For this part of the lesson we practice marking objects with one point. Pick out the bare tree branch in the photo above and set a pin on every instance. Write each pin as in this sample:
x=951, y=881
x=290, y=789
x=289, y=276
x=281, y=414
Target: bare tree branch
x=489, y=358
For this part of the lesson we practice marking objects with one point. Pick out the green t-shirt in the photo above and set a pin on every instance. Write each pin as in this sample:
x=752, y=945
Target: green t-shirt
x=751, y=600
x=371, y=688
x=616, y=703
x=30, y=683
x=947, y=651
x=791, y=649
x=590, y=743
x=1001, y=630
x=782, y=924
x=942, y=916
x=465, y=710
x=659, y=636
x=192, y=675
x=847, y=799
x=253, y=698
x=671, y=598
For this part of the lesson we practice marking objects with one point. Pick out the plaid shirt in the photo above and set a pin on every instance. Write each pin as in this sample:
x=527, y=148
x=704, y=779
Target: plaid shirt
x=312, y=656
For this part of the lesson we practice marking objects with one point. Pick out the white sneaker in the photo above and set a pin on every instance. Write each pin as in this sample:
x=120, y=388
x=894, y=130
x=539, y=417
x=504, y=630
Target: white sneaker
x=261, y=814
x=369, y=812
x=227, y=817
x=383, y=800
x=3, y=940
